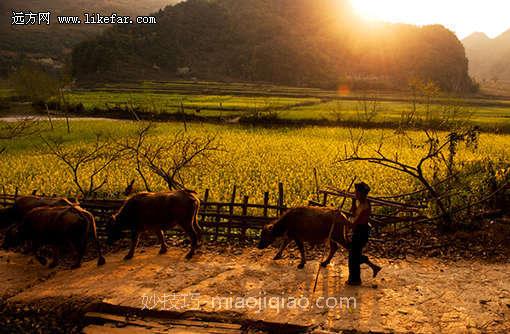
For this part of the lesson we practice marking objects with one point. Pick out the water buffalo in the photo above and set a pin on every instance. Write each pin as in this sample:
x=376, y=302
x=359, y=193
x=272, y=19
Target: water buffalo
x=157, y=212
x=311, y=224
x=23, y=205
x=56, y=227
x=5, y=217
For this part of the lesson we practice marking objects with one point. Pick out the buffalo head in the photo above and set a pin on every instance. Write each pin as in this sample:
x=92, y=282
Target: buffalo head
x=13, y=237
x=266, y=237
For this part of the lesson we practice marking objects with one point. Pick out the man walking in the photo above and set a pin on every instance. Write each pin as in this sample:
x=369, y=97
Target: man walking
x=361, y=211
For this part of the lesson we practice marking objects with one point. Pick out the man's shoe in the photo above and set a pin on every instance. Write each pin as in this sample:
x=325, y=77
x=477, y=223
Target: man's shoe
x=353, y=283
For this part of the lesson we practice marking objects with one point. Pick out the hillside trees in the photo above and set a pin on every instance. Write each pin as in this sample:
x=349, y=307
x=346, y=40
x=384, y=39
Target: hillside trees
x=39, y=86
x=298, y=42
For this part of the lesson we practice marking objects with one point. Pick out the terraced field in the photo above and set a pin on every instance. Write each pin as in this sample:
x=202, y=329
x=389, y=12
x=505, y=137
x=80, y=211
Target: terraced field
x=304, y=105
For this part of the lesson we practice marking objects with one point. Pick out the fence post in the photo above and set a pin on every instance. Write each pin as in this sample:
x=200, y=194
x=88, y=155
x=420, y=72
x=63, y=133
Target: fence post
x=204, y=207
x=325, y=199
x=266, y=202
x=280, y=198
x=16, y=191
x=217, y=222
x=245, y=213
x=231, y=211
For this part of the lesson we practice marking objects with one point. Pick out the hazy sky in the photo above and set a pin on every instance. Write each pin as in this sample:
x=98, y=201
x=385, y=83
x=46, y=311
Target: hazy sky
x=462, y=16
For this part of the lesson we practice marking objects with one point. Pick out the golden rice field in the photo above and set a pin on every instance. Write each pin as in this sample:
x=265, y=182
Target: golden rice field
x=254, y=159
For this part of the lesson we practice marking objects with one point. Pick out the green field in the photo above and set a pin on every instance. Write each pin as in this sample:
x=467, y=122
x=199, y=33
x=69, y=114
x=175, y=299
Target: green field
x=254, y=159
x=290, y=104
x=165, y=103
x=5, y=92
x=231, y=101
x=488, y=117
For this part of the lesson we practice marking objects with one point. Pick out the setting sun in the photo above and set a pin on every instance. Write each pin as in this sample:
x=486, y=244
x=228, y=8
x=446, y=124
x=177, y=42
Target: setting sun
x=462, y=17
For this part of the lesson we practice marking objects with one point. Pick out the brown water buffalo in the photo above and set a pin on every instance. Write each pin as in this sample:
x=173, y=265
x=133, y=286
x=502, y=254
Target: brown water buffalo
x=157, y=212
x=311, y=224
x=5, y=217
x=23, y=205
x=56, y=227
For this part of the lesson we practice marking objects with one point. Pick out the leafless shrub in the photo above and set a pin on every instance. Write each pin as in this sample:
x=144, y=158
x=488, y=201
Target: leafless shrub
x=170, y=158
x=440, y=109
x=336, y=111
x=368, y=108
x=86, y=164
x=21, y=128
x=439, y=150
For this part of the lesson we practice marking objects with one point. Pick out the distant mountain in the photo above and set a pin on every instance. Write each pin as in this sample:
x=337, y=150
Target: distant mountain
x=297, y=42
x=50, y=44
x=488, y=58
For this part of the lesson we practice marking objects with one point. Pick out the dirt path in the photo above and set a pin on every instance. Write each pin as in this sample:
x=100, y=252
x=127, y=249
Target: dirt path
x=38, y=117
x=422, y=295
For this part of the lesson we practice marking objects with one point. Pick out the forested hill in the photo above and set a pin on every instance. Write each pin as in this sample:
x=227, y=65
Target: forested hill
x=49, y=44
x=297, y=42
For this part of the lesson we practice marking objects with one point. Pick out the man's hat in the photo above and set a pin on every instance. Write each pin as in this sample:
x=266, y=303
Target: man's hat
x=362, y=187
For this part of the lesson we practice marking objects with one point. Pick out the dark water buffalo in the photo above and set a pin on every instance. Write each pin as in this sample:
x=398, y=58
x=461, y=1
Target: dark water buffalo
x=157, y=212
x=311, y=224
x=56, y=226
x=5, y=217
x=23, y=205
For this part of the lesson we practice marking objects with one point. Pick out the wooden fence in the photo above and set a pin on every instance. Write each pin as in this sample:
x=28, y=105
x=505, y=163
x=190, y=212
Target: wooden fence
x=219, y=220
x=387, y=214
x=242, y=218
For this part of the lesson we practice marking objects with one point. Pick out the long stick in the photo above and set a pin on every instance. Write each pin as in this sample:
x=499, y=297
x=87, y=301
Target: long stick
x=316, y=183
x=329, y=237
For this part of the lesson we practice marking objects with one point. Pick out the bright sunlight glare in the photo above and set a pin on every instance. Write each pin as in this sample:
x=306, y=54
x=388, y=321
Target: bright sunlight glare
x=461, y=16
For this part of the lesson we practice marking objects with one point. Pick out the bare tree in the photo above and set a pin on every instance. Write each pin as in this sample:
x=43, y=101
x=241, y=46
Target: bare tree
x=336, y=110
x=429, y=95
x=135, y=148
x=21, y=128
x=438, y=152
x=169, y=159
x=367, y=109
x=86, y=164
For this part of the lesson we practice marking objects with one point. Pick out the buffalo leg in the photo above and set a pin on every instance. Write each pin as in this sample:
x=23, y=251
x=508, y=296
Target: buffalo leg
x=135, y=237
x=284, y=245
x=333, y=247
x=161, y=238
x=36, y=250
x=301, y=248
x=41, y=259
x=28, y=247
x=56, y=253
x=190, y=231
x=80, y=249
